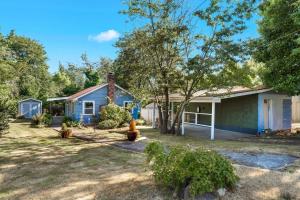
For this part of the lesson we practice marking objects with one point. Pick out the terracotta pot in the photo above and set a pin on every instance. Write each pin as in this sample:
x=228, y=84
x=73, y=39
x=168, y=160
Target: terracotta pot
x=132, y=135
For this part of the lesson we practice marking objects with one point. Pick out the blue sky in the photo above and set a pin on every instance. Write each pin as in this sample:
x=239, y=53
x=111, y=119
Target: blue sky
x=68, y=28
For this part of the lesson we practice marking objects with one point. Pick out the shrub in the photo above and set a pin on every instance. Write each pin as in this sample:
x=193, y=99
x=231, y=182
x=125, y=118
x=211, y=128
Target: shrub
x=37, y=119
x=47, y=120
x=140, y=122
x=203, y=170
x=115, y=113
x=71, y=123
x=108, y=124
x=65, y=131
x=3, y=122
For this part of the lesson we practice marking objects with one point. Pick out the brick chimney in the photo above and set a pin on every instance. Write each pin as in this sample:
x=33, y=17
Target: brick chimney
x=111, y=86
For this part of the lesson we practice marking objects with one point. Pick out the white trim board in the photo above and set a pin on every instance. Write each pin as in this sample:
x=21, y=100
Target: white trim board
x=29, y=99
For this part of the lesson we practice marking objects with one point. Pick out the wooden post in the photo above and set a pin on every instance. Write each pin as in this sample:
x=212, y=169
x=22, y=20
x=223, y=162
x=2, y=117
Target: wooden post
x=212, y=128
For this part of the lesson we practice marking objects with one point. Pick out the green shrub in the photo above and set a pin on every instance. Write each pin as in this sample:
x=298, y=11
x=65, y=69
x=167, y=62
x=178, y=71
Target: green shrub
x=115, y=113
x=71, y=123
x=47, y=120
x=3, y=122
x=108, y=124
x=37, y=119
x=203, y=170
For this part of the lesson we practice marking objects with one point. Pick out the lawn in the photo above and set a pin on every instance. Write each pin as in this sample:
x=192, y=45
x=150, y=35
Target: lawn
x=37, y=164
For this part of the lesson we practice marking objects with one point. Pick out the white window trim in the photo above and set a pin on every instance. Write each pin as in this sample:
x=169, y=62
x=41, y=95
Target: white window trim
x=124, y=102
x=83, y=107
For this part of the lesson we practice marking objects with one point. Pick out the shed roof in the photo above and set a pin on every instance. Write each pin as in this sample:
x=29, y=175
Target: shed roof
x=29, y=99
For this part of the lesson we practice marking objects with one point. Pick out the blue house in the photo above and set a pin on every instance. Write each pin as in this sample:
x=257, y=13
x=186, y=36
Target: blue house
x=29, y=107
x=86, y=104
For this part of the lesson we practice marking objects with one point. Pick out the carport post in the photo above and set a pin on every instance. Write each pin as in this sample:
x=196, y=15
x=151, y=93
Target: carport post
x=153, y=115
x=182, y=122
x=172, y=113
x=212, y=128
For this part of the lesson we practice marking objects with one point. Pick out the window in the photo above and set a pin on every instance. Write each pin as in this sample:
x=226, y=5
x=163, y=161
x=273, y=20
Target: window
x=88, y=107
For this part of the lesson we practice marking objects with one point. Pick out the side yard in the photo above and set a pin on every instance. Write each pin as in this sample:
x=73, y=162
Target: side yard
x=37, y=164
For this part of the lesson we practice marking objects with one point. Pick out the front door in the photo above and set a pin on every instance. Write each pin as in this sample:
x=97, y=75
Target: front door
x=267, y=114
x=286, y=113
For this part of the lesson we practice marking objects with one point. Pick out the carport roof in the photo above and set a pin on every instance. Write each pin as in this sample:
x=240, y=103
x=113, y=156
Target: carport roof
x=215, y=95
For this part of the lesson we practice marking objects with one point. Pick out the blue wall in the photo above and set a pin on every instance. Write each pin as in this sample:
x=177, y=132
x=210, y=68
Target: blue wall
x=29, y=108
x=100, y=98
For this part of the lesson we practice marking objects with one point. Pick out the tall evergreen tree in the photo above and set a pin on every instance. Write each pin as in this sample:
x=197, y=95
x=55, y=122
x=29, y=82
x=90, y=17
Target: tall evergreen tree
x=279, y=44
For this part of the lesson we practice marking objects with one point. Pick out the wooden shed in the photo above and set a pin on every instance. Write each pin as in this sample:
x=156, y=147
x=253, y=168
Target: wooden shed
x=29, y=107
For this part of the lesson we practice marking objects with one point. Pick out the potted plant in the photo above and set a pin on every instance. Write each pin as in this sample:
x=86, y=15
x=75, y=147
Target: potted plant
x=65, y=131
x=133, y=133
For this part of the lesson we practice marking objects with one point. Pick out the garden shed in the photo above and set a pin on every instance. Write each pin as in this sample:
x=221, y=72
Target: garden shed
x=29, y=107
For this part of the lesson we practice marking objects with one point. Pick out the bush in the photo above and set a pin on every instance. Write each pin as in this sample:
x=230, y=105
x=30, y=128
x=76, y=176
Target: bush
x=108, y=124
x=47, y=120
x=37, y=119
x=65, y=131
x=71, y=123
x=203, y=170
x=115, y=113
x=140, y=122
x=3, y=122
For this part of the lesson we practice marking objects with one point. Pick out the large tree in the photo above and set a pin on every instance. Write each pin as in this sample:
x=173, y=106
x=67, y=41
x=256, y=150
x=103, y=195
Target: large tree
x=23, y=68
x=178, y=48
x=279, y=44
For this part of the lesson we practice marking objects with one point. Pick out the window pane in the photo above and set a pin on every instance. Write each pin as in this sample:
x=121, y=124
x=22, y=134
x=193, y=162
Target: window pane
x=88, y=105
x=88, y=111
x=88, y=108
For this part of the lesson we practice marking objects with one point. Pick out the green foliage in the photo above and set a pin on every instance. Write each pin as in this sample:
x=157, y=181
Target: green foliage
x=115, y=113
x=108, y=124
x=38, y=119
x=278, y=45
x=47, y=120
x=69, y=122
x=24, y=67
x=4, y=117
x=170, y=53
x=203, y=170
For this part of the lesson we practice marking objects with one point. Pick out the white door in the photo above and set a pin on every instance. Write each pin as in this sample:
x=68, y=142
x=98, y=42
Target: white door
x=267, y=114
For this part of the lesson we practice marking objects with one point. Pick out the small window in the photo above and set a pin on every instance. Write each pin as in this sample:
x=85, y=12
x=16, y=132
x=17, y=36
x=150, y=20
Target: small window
x=88, y=108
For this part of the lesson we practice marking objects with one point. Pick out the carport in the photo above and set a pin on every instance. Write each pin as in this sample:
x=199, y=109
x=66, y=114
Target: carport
x=175, y=98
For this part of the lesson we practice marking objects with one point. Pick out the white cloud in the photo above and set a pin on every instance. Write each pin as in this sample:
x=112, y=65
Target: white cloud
x=104, y=36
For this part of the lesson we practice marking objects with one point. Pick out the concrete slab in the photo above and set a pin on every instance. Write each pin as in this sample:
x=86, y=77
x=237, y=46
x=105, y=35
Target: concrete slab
x=202, y=132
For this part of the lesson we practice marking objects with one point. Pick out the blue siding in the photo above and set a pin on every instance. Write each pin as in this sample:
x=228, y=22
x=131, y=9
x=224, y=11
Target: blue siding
x=287, y=113
x=29, y=108
x=100, y=98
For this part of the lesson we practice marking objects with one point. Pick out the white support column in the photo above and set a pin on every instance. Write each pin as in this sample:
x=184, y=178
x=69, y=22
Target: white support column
x=182, y=122
x=172, y=113
x=196, y=118
x=212, y=129
x=153, y=115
